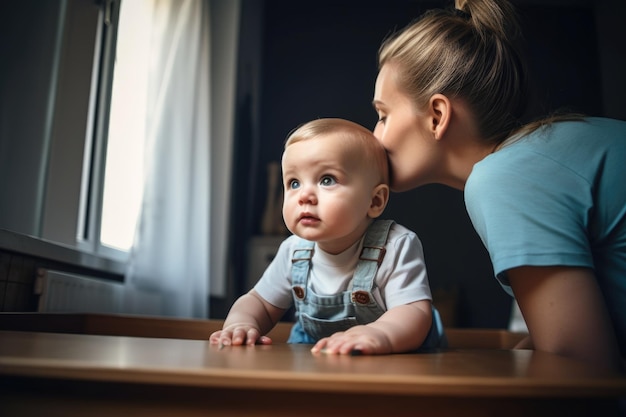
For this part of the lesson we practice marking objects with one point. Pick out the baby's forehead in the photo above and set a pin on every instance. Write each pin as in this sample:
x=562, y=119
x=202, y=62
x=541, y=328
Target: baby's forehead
x=347, y=141
x=337, y=143
x=330, y=151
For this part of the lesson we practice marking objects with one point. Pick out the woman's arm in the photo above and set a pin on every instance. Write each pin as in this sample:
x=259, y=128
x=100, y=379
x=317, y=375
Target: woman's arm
x=566, y=313
x=248, y=320
x=400, y=329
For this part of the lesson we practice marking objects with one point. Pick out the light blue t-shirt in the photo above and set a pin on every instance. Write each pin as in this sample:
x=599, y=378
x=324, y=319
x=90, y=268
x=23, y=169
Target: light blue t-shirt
x=558, y=197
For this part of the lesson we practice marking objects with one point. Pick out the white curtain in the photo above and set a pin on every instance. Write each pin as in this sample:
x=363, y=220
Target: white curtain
x=170, y=256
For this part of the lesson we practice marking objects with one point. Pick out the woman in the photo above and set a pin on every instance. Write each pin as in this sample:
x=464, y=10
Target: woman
x=547, y=199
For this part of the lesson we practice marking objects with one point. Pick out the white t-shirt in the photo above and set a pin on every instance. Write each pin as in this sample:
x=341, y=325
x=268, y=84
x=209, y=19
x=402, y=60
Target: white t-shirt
x=401, y=277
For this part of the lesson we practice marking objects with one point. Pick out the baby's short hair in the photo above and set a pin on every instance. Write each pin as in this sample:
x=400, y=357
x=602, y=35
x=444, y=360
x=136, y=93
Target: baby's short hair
x=360, y=140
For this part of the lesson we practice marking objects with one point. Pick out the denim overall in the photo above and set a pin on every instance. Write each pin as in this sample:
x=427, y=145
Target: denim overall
x=320, y=316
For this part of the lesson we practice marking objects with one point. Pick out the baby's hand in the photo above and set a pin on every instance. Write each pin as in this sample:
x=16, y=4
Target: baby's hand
x=239, y=334
x=357, y=340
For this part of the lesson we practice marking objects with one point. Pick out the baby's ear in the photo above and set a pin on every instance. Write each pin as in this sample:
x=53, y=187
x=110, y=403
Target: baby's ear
x=380, y=198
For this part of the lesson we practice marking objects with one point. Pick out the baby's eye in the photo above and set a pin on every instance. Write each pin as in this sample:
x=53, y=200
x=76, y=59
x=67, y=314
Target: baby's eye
x=294, y=184
x=328, y=180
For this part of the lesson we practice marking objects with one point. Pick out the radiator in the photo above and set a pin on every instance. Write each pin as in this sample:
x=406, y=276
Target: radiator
x=62, y=292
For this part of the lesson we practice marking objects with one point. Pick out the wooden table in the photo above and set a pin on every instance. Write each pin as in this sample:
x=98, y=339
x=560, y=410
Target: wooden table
x=67, y=375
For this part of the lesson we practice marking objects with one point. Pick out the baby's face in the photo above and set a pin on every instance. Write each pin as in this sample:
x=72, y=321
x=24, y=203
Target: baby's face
x=328, y=189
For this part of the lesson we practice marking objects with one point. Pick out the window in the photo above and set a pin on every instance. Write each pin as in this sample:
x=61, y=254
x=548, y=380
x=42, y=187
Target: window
x=49, y=74
x=114, y=170
x=62, y=113
x=123, y=171
x=113, y=165
x=57, y=83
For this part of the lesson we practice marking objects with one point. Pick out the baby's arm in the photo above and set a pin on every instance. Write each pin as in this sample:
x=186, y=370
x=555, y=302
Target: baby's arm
x=400, y=329
x=249, y=319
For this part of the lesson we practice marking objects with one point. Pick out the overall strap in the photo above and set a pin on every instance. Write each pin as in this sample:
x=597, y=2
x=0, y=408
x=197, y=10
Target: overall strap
x=371, y=256
x=300, y=265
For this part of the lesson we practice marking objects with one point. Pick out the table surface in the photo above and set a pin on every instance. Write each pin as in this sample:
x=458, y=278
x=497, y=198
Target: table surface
x=483, y=373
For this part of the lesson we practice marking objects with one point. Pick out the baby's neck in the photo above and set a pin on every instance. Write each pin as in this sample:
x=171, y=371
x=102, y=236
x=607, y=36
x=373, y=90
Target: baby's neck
x=341, y=244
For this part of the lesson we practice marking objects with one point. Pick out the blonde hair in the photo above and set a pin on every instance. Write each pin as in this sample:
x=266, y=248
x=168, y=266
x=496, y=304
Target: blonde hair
x=469, y=52
x=360, y=142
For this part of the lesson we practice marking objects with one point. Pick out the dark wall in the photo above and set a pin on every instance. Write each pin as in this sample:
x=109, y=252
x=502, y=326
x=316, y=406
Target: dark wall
x=319, y=60
x=28, y=45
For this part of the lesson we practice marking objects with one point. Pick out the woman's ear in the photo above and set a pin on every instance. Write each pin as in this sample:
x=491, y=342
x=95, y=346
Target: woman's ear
x=440, y=112
x=380, y=198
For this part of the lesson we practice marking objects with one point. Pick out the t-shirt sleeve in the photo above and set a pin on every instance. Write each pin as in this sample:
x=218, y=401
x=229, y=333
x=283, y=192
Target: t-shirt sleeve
x=404, y=270
x=275, y=283
x=529, y=213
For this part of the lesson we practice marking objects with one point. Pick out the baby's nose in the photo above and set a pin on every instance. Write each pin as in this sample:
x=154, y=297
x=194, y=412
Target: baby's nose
x=307, y=195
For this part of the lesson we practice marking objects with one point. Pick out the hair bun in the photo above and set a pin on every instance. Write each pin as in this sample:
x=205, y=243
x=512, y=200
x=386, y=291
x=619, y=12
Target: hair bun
x=462, y=14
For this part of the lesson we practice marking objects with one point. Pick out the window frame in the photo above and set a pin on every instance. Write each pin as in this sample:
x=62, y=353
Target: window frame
x=94, y=172
x=86, y=166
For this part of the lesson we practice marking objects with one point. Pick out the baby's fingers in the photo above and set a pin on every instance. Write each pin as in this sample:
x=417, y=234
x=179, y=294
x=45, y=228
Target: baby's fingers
x=320, y=345
x=242, y=335
x=214, y=339
x=264, y=340
x=239, y=336
x=252, y=336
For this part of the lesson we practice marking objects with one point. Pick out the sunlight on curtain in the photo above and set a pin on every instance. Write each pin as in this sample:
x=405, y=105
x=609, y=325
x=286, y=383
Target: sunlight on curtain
x=170, y=252
x=123, y=181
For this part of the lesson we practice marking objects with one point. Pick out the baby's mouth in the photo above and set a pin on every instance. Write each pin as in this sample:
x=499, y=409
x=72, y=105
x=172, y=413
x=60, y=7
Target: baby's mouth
x=307, y=217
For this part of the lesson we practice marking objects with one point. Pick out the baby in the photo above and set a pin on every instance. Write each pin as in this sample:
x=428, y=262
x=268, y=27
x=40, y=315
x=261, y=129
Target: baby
x=359, y=285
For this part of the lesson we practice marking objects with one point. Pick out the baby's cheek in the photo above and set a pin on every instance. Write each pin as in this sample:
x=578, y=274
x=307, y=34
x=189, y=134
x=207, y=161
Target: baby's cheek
x=287, y=207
